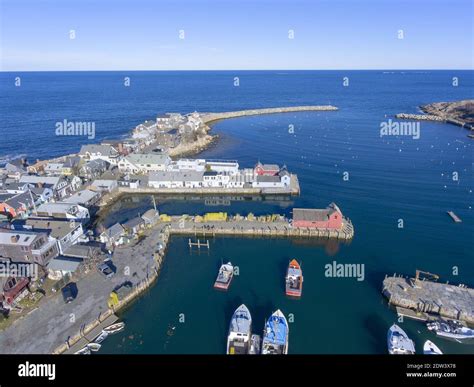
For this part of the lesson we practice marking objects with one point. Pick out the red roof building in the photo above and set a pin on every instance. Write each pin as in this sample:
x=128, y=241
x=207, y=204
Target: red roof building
x=329, y=218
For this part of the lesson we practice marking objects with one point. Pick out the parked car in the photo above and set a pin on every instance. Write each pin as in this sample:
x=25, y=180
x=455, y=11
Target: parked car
x=107, y=268
x=69, y=292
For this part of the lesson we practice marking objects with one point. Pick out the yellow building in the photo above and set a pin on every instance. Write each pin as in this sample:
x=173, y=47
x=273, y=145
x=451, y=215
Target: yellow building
x=215, y=216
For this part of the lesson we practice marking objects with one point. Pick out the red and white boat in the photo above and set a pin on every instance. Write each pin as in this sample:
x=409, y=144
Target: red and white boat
x=294, y=279
x=224, y=278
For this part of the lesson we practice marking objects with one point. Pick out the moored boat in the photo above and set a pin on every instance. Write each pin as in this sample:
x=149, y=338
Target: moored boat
x=398, y=342
x=83, y=351
x=99, y=339
x=115, y=328
x=453, y=330
x=94, y=347
x=275, y=335
x=224, y=278
x=430, y=348
x=255, y=344
x=240, y=329
x=294, y=279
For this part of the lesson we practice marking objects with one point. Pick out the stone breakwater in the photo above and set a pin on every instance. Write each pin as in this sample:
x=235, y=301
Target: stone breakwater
x=419, y=117
x=211, y=117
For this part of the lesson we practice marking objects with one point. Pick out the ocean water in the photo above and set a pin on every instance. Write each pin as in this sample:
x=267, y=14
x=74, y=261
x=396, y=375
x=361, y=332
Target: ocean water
x=389, y=178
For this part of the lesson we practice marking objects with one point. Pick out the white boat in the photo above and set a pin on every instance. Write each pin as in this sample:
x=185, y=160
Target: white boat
x=83, y=351
x=430, y=348
x=275, y=335
x=94, y=347
x=451, y=329
x=398, y=342
x=240, y=328
x=99, y=339
x=255, y=344
x=115, y=328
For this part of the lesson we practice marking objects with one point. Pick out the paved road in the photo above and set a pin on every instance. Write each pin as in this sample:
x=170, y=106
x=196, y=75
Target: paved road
x=53, y=321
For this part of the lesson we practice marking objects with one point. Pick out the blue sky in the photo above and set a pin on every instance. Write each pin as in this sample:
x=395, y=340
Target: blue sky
x=227, y=34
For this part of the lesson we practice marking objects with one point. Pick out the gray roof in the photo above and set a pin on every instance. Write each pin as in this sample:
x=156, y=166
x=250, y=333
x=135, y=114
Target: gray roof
x=97, y=164
x=150, y=214
x=57, y=228
x=268, y=179
x=25, y=238
x=114, y=231
x=81, y=251
x=176, y=176
x=46, y=180
x=20, y=199
x=312, y=215
x=104, y=150
x=82, y=197
x=131, y=223
x=149, y=158
x=64, y=263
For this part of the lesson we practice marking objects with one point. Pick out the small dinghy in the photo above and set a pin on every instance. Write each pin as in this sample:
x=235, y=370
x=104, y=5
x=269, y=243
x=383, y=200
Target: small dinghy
x=94, y=347
x=115, y=328
x=83, y=351
x=99, y=339
x=430, y=348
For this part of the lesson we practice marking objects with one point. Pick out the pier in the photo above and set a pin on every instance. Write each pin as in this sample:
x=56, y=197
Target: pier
x=198, y=244
x=429, y=298
x=419, y=117
x=259, y=227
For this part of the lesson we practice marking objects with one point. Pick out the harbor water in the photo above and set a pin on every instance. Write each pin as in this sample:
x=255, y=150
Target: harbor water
x=395, y=189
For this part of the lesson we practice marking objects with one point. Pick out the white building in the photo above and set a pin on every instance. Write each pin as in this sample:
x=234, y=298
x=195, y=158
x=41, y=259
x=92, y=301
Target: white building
x=212, y=179
x=264, y=181
x=63, y=211
x=176, y=179
x=223, y=166
x=198, y=165
x=136, y=163
x=103, y=152
x=103, y=185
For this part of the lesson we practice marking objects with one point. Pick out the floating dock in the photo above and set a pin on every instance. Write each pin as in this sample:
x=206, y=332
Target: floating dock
x=454, y=216
x=429, y=298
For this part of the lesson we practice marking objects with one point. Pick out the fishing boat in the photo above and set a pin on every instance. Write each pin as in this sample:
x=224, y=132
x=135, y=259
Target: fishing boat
x=398, y=342
x=99, y=339
x=83, y=351
x=115, y=328
x=255, y=343
x=238, y=339
x=430, y=348
x=294, y=279
x=94, y=347
x=451, y=329
x=275, y=335
x=224, y=278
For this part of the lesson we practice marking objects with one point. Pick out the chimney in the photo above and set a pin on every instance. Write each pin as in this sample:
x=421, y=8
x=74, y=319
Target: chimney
x=14, y=238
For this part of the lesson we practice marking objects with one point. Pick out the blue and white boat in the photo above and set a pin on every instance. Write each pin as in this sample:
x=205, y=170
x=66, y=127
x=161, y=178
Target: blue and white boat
x=275, y=335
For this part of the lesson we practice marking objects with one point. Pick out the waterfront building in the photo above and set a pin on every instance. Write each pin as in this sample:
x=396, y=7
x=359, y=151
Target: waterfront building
x=223, y=166
x=213, y=179
x=103, y=152
x=61, y=210
x=179, y=179
x=151, y=217
x=142, y=163
x=330, y=217
x=128, y=182
x=71, y=165
x=27, y=246
x=268, y=181
x=103, y=185
x=113, y=236
x=16, y=168
x=133, y=226
x=86, y=198
x=266, y=169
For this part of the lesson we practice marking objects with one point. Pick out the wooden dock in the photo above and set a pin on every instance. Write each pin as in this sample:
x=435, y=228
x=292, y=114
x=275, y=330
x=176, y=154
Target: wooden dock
x=454, y=216
x=198, y=244
x=432, y=298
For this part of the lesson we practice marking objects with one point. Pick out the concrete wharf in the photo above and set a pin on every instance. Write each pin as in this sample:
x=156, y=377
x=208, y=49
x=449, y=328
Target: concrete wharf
x=430, y=297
